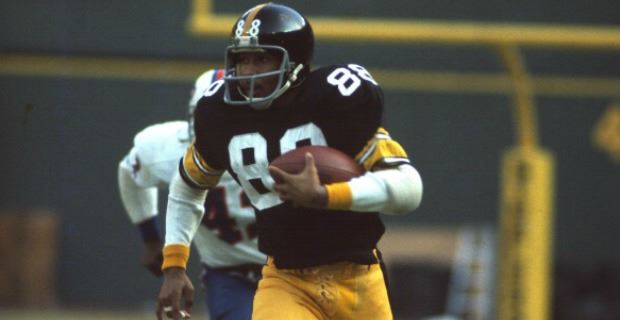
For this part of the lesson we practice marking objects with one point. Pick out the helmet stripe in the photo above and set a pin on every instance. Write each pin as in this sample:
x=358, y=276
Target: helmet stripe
x=217, y=75
x=248, y=20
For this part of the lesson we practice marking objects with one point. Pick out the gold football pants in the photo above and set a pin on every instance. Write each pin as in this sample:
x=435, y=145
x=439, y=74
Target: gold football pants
x=337, y=291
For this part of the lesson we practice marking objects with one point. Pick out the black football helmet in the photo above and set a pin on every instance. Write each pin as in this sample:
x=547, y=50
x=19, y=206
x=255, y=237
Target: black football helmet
x=274, y=28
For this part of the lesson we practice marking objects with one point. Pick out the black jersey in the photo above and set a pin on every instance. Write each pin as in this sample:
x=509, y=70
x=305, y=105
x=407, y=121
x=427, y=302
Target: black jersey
x=337, y=106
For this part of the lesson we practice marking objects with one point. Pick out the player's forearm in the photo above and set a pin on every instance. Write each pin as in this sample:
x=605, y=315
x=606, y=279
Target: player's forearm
x=183, y=215
x=140, y=203
x=391, y=191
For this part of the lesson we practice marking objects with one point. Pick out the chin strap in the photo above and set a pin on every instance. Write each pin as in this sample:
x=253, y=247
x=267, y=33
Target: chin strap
x=292, y=78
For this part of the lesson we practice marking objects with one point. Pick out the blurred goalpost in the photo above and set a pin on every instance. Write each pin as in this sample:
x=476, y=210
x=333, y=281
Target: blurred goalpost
x=527, y=179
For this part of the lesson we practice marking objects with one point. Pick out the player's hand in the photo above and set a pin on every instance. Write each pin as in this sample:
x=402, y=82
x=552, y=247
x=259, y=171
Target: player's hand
x=303, y=189
x=152, y=257
x=176, y=288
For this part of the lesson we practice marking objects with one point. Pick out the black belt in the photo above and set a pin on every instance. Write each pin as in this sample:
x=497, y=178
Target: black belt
x=363, y=256
x=248, y=270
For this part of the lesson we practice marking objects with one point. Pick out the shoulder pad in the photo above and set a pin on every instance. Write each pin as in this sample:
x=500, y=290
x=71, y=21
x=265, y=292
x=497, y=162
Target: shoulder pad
x=346, y=87
x=161, y=141
x=347, y=80
x=203, y=83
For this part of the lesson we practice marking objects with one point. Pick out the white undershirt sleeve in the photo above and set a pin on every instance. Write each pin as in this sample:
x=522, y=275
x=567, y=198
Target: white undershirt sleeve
x=184, y=212
x=392, y=191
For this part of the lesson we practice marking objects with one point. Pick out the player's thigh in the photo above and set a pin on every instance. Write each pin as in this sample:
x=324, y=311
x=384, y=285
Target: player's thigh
x=373, y=298
x=279, y=298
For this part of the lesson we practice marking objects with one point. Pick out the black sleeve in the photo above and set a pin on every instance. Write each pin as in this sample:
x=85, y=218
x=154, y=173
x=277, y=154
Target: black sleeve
x=206, y=133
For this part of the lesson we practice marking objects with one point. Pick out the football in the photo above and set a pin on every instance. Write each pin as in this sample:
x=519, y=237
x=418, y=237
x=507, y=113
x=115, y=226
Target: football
x=332, y=165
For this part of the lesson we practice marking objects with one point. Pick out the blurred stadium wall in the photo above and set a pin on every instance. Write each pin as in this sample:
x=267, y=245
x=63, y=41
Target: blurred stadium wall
x=79, y=78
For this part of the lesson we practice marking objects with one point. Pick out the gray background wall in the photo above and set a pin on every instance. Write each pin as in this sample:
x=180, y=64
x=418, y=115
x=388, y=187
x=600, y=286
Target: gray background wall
x=62, y=136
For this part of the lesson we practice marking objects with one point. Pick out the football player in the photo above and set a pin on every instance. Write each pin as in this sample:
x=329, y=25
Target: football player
x=320, y=239
x=226, y=237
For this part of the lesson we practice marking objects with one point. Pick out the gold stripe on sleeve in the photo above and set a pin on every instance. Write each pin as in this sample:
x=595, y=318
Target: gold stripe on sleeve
x=381, y=149
x=197, y=169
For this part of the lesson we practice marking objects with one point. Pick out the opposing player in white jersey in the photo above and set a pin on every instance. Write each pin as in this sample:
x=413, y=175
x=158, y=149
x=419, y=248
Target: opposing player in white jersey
x=226, y=238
